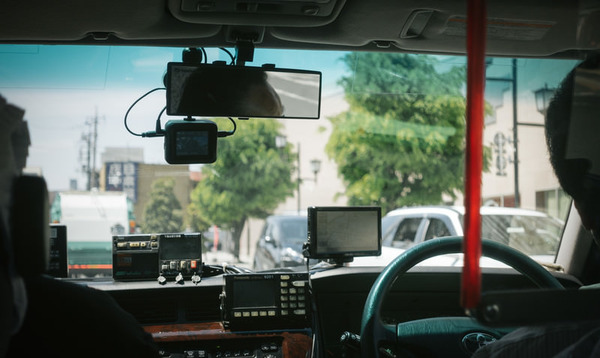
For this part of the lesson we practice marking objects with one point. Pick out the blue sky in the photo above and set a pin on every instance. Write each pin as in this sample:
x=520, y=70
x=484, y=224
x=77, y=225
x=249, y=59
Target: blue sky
x=61, y=67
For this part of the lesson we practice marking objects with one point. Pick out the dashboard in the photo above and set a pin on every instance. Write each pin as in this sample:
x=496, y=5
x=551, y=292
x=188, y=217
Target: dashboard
x=197, y=310
x=218, y=317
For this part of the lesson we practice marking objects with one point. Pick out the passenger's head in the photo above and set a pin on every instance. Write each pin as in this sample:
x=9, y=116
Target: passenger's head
x=576, y=100
x=222, y=91
x=14, y=144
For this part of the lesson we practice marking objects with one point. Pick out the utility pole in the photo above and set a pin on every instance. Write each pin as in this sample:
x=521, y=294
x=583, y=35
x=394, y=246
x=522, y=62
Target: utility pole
x=298, y=178
x=94, y=146
x=515, y=132
x=85, y=158
x=90, y=142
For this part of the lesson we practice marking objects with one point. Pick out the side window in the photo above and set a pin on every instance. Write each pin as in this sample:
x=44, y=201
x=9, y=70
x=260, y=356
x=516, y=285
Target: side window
x=436, y=228
x=263, y=232
x=406, y=232
x=274, y=232
x=268, y=233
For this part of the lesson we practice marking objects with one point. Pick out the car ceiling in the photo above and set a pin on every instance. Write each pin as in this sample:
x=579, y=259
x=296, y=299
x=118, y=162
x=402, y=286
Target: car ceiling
x=515, y=27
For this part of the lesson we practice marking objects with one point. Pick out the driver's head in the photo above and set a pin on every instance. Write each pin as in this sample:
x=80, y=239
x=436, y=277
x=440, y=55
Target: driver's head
x=226, y=91
x=576, y=104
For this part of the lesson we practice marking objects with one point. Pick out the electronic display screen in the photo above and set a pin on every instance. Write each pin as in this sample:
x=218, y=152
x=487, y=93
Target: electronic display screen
x=255, y=293
x=344, y=231
x=180, y=247
x=191, y=143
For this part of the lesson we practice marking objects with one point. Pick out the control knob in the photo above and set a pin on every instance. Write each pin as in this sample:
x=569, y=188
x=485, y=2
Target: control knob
x=162, y=279
x=196, y=279
x=179, y=279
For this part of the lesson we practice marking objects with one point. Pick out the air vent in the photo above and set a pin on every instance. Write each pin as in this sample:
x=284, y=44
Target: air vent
x=202, y=305
x=171, y=306
x=202, y=310
x=148, y=310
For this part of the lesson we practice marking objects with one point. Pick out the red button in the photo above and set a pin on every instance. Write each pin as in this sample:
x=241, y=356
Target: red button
x=193, y=264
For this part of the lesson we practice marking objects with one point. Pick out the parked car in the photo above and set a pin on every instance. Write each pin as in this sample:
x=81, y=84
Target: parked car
x=532, y=232
x=280, y=242
x=529, y=231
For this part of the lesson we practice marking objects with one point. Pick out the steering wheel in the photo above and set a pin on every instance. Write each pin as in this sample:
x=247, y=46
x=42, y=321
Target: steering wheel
x=373, y=330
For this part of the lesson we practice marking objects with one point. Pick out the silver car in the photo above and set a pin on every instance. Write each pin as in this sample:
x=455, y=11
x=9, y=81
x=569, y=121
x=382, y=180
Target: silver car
x=532, y=232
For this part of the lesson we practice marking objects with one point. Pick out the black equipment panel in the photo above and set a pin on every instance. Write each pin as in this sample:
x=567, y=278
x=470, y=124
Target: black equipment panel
x=267, y=301
x=152, y=256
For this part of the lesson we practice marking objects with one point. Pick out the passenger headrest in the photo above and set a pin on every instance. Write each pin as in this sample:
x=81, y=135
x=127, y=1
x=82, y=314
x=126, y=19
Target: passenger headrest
x=29, y=225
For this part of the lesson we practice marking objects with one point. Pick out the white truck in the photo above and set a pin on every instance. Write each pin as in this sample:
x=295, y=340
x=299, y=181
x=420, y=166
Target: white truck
x=92, y=218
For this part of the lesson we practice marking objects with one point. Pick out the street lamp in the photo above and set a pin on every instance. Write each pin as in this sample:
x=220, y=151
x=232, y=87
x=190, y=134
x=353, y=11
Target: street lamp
x=315, y=166
x=280, y=141
x=542, y=99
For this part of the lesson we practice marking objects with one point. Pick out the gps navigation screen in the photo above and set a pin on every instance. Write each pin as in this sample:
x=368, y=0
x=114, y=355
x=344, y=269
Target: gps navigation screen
x=346, y=231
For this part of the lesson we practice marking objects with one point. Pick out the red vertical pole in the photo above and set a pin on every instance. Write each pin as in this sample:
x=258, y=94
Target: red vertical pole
x=476, y=35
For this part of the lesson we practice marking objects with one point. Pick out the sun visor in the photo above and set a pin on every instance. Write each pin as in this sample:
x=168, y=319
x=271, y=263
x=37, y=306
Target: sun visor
x=584, y=129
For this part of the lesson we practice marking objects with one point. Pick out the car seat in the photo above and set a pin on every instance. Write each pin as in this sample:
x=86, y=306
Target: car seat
x=63, y=319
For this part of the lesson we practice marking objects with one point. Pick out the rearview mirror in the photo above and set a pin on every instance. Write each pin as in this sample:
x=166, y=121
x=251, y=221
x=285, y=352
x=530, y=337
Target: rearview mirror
x=214, y=90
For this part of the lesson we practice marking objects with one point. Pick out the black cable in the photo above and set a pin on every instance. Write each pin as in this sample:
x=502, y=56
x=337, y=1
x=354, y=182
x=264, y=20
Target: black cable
x=211, y=270
x=133, y=104
x=317, y=334
x=158, y=132
x=223, y=134
x=158, y=126
x=229, y=53
x=204, y=54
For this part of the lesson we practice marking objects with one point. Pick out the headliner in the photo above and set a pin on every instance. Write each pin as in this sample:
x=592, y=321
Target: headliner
x=515, y=27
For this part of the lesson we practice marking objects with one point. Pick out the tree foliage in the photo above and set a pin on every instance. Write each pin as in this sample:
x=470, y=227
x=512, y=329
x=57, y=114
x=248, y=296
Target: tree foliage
x=250, y=178
x=163, y=212
x=402, y=140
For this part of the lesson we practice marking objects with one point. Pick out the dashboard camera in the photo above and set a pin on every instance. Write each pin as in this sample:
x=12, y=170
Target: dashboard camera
x=188, y=142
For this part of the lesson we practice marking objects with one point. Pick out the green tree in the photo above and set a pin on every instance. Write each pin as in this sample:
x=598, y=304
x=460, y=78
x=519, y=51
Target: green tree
x=163, y=212
x=249, y=179
x=402, y=140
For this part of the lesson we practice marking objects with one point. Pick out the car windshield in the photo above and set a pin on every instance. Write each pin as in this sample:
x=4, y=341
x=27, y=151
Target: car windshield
x=391, y=134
